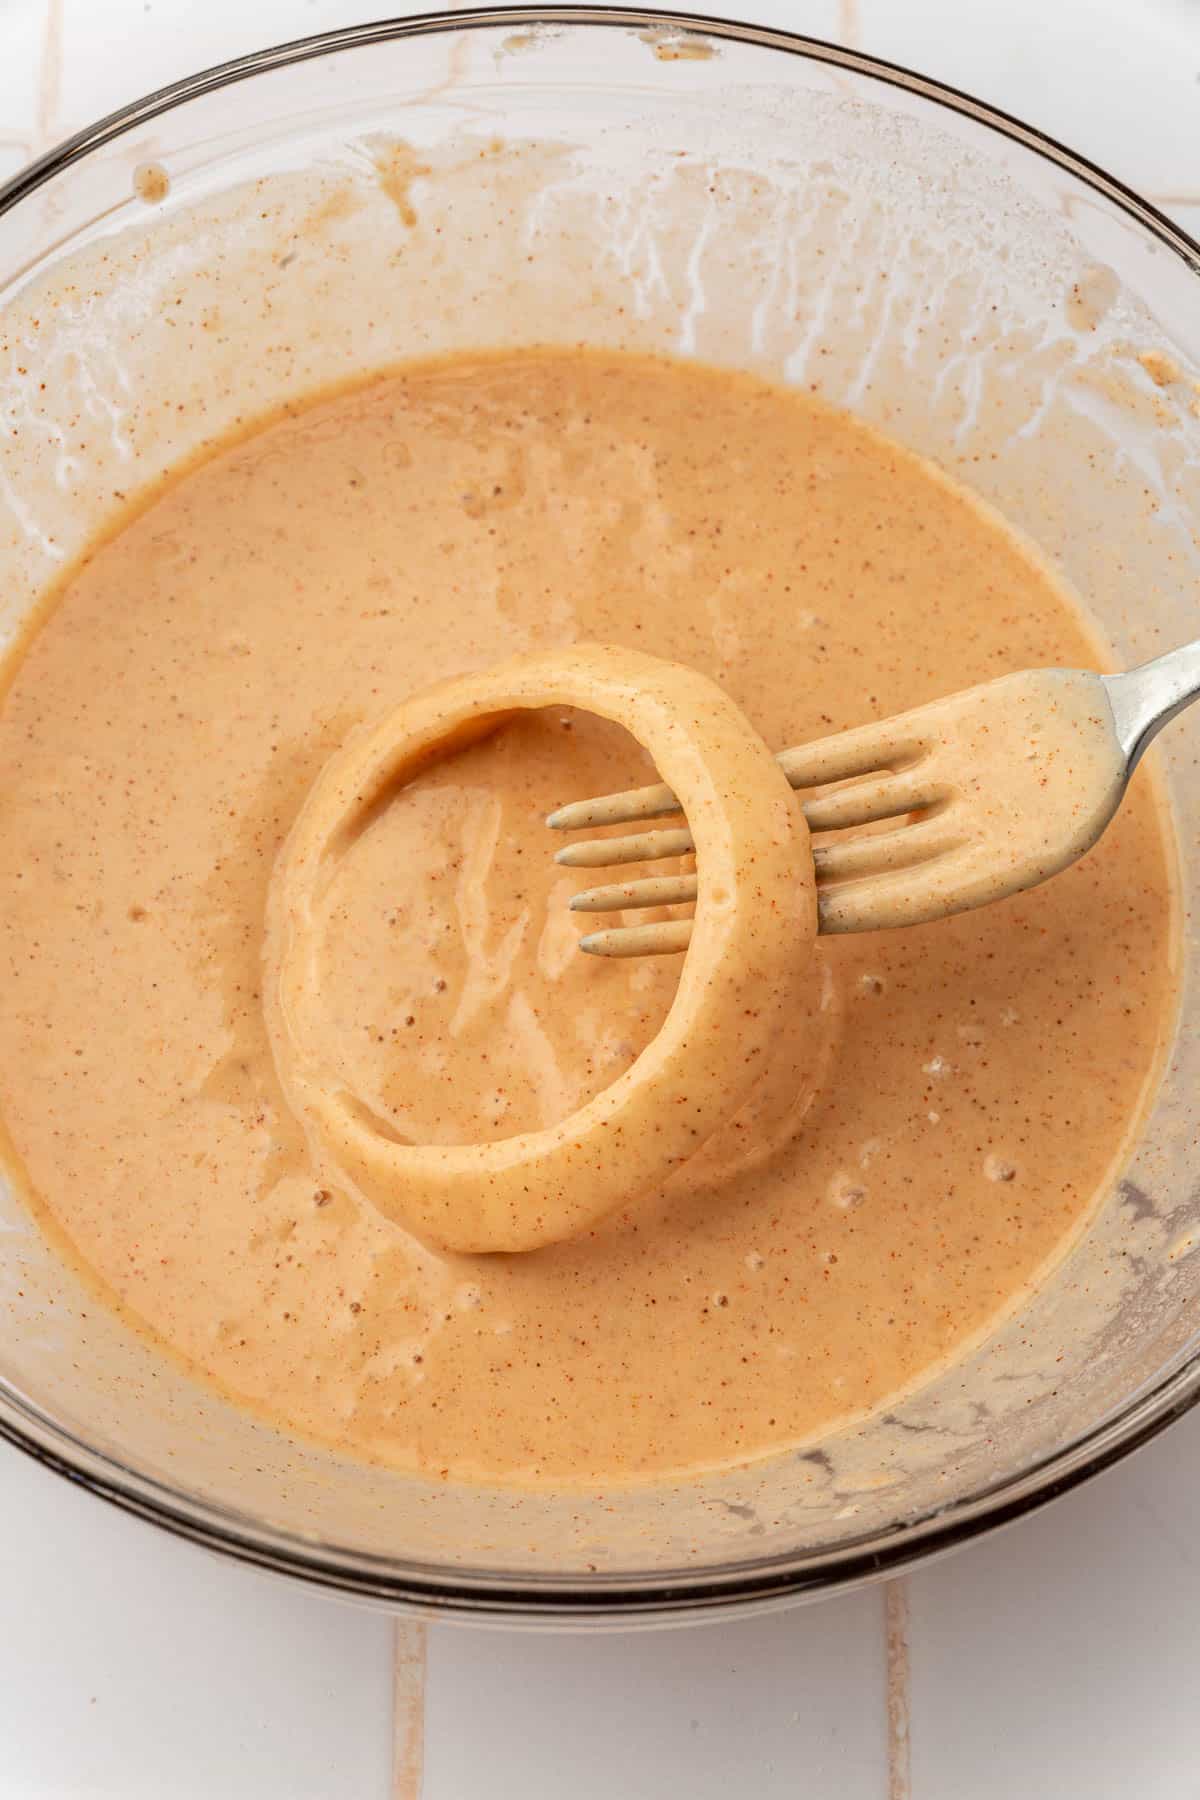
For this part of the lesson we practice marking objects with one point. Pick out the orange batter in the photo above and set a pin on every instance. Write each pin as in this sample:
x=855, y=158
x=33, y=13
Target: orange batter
x=944, y=1105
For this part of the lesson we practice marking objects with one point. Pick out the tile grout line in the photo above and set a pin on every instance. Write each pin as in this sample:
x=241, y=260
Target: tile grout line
x=50, y=75
x=899, y=1711
x=409, y=1646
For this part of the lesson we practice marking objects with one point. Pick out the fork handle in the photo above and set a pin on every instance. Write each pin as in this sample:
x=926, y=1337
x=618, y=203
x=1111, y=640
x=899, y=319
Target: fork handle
x=1144, y=699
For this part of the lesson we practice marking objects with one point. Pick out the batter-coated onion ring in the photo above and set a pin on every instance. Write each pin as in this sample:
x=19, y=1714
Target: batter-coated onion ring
x=755, y=925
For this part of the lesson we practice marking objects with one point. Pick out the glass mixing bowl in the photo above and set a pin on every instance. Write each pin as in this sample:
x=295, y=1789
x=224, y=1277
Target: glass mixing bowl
x=625, y=179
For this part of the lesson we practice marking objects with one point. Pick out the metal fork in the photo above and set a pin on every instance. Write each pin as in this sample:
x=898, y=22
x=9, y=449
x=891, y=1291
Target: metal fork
x=987, y=792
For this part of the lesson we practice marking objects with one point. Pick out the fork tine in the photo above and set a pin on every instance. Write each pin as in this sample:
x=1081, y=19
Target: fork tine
x=842, y=869
x=864, y=750
x=629, y=896
x=645, y=846
x=615, y=809
x=899, y=849
x=898, y=896
x=857, y=890
x=886, y=798
x=665, y=939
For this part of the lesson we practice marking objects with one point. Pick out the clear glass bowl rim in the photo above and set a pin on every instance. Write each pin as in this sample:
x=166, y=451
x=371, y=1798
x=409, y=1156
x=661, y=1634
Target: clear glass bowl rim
x=569, y=1597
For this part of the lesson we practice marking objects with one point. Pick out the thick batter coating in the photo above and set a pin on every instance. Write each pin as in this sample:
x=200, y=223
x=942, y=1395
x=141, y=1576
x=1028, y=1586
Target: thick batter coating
x=755, y=918
x=943, y=1112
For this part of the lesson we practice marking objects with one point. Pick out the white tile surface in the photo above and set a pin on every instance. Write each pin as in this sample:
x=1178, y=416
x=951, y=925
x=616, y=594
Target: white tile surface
x=1114, y=79
x=134, y=1665
x=1062, y=1657
x=22, y=27
x=173, y=38
x=95, y=81
x=13, y=157
x=789, y=1706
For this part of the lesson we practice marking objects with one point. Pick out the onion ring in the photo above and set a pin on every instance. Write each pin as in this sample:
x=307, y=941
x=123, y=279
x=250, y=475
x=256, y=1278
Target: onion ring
x=755, y=926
